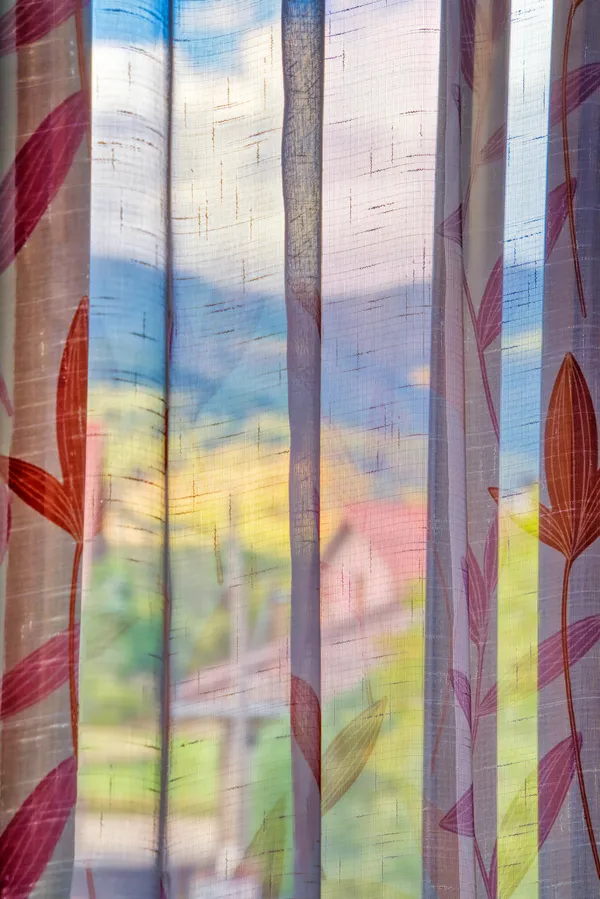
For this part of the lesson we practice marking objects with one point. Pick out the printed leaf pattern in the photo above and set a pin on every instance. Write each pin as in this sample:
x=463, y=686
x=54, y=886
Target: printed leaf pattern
x=489, y=317
x=29, y=21
x=462, y=690
x=38, y=675
x=5, y=396
x=550, y=784
x=572, y=523
x=480, y=586
x=349, y=752
x=452, y=227
x=264, y=857
x=41, y=491
x=556, y=213
x=28, y=842
x=461, y=817
x=63, y=503
x=582, y=636
x=71, y=409
x=5, y=520
x=581, y=84
x=34, y=179
x=305, y=713
x=571, y=462
x=467, y=39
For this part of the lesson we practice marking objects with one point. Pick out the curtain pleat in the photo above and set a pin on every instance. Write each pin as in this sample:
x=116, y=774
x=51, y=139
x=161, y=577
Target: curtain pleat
x=298, y=432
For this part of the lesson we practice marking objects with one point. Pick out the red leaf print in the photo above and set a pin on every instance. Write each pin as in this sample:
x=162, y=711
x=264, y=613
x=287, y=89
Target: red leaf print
x=461, y=817
x=43, y=493
x=28, y=842
x=570, y=451
x=489, y=317
x=5, y=396
x=89, y=878
x=5, y=520
x=452, y=226
x=467, y=39
x=555, y=774
x=37, y=174
x=71, y=409
x=38, y=675
x=305, y=714
x=462, y=690
x=30, y=20
x=581, y=84
x=556, y=213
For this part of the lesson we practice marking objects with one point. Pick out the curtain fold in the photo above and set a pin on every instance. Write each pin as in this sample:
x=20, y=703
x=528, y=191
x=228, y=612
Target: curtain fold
x=299, y=485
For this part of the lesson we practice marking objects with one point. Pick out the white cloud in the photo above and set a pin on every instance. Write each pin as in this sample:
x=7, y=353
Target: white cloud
x=381, y=87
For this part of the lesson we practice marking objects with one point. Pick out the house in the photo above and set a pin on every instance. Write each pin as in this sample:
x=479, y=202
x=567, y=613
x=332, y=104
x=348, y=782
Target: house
x=376, y=554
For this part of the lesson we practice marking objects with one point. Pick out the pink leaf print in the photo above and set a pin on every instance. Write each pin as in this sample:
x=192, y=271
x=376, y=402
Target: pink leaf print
x=5, y=520
x=490, y=558
x=581, y=637
x=488, y=704
x=556, y=213
x=555, y=774
x=305, y=714
x=581, y=84
x=5, y=396
x=34, y=179
x=495, y=147
x=36, y=676
x=461, y=817
x=467, y=39
x=451, y=227
x=477, y=600
x=28, y=842
x=30, y=20
x=462, y=690
x=489, y=317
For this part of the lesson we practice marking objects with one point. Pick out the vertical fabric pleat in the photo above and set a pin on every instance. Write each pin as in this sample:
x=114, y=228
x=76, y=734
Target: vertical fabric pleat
x=303, y=36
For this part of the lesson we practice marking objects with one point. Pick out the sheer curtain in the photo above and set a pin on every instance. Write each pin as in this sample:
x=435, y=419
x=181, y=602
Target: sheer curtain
x=299, y=485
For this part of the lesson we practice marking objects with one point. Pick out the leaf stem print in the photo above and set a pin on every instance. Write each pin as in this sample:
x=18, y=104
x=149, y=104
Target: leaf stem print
x=89, y=878
x=5, y=397
x=572, y=523
x=62, y=503
x=481, y=356
x=28, y=21
x=482, y=868
x=73, y=654
x=84, y=81
x=572, y=720
x=567, y=160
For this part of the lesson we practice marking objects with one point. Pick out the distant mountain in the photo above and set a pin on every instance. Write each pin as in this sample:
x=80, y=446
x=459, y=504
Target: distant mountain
x=229, y=350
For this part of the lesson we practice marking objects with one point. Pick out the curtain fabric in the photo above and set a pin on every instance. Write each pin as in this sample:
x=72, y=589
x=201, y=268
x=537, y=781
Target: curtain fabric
x=298, y=386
